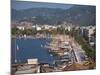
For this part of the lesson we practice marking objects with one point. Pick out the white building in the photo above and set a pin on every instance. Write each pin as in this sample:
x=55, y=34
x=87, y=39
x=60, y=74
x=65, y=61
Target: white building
x=90, y=30
x=33, y=26
x=68, y=28
x=32, y=61
x=38, y=28
x=21, y=27
x=47, y=26
x=54, y=27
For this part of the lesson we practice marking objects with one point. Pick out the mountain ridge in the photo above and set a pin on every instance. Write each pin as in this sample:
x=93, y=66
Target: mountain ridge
x=76, y=14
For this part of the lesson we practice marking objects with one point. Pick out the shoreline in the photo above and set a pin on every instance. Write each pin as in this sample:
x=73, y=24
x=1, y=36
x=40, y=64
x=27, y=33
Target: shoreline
x=30, y=37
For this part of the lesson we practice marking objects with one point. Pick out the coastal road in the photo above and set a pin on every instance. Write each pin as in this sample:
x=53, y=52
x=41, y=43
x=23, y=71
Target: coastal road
x=79, y=52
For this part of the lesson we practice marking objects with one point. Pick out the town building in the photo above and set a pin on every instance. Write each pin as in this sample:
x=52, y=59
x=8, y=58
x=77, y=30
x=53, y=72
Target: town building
x=21, y=27
x=88, y=32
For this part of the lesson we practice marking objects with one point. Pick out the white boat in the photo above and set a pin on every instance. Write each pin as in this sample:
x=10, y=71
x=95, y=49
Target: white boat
x=15, y=60
x=17, y=47
x=51, y=55
x=54, y=62
x=41, y=45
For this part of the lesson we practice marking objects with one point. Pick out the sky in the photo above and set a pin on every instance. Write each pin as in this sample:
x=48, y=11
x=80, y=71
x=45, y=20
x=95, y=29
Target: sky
x=18, y=5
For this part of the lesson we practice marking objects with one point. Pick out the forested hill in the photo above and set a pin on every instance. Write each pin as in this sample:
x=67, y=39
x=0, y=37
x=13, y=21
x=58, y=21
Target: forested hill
x=77, y=14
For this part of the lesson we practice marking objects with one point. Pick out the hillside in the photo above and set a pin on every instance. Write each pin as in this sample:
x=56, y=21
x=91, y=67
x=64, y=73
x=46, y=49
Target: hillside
x=78, y=14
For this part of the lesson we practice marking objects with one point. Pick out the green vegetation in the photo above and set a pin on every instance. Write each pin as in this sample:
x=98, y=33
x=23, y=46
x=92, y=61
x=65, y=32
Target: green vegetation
x=76, y=14
x=91, y=53
x=62, y=30
x=15, y=31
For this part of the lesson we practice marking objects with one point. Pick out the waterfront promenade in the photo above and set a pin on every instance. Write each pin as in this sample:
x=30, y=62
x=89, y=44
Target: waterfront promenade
x=61, y=40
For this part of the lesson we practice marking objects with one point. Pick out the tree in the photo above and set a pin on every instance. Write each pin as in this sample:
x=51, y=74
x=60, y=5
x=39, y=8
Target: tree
x=14, y=31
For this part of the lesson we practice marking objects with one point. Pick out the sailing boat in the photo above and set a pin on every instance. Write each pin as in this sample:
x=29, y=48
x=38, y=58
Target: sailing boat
x=15, y=51
x=17, y=47
x=41, y=45
x=51, y=55
x=15, y=60
x=54, y=62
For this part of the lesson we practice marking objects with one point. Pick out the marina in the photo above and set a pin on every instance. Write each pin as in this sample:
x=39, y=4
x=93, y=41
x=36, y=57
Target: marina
x=30, y=48
x=53, y=55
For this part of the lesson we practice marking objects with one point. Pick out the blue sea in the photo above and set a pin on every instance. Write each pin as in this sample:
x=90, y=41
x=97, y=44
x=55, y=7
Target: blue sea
x=29, y=49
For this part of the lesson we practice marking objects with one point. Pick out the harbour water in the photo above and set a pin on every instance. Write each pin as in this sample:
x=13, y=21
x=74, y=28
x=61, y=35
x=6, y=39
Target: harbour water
x=23, y=49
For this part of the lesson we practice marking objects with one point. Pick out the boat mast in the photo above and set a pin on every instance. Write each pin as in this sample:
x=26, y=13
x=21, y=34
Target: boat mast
x=15, y=52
